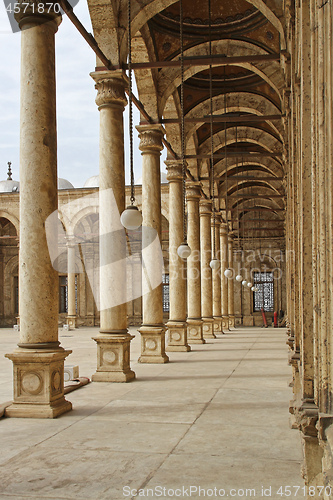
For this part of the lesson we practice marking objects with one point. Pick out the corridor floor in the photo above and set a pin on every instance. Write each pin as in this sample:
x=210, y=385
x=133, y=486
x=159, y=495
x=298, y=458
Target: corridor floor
x=211, y=423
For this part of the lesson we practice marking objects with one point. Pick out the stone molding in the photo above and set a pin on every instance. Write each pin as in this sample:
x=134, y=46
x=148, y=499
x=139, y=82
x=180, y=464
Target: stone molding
x=193, y=191
x=110, y=89
x=174, y=168
x=205, y=208
x=150, y=138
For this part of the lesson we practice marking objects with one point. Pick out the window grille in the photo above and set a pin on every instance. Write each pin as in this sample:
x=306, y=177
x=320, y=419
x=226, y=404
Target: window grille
x=166, y=302
x=264, y=297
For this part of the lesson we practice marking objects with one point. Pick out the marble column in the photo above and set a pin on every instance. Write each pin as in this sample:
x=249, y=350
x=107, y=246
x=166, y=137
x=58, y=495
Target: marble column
x=39, y=360
x=224, y=280
x=152, y=330
x=71, y=318
x=216, y=276
x=177, y=327
x=194, y=321
x=231, y=299
x=205, y=210
x=113, y=341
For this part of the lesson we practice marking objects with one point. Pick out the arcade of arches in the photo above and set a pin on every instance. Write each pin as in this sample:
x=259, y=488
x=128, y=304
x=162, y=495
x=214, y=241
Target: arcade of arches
x=259, y=190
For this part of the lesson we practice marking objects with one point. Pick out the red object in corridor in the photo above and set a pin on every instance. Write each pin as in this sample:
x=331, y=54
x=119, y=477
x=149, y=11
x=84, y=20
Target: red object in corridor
x=275, y=319
x=264, y=317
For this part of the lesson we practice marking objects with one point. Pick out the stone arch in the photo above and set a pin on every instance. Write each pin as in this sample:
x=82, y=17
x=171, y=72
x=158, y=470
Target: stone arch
x=12, y=218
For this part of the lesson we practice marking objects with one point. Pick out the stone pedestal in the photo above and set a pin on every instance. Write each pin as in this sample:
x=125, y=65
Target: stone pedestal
x=152, y=330
x=205, y=209
x=153, y=344
x=177, y=267
x=38, y=383
x=113, y=344
x=194, y=322
x=113, y=358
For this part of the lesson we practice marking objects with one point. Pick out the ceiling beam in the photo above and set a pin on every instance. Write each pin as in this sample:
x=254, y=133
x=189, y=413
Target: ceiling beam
x=251, y=196
x=253, y=154
x=256, y=209
x=223, y=119
x=208, y=60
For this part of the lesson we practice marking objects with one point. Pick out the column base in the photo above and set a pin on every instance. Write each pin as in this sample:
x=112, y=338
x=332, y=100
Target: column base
x=218, y=325
x=153, y=344
x=113, y=357
x=177, y=337
x=231, y=321
x=71, y=322
x=225, y=323
x=38, y=383
x=208, y=328
x=194, y=331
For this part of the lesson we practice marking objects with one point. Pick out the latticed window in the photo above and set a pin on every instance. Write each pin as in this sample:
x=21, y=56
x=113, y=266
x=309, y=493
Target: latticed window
x=63, y=294
x=166, y=305
x=264, y=297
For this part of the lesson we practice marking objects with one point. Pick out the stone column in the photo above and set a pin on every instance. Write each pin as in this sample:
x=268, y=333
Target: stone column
x=71, y=318
x=39, y=359
x=177, y=326
x=216, y=276
x=231, y=306
x=152, y=330
x=224, y=280
x=194, y=321
x=113, y=342
x=205, y=210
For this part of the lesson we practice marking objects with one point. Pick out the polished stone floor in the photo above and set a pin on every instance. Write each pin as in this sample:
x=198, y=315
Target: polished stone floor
x=215, y=418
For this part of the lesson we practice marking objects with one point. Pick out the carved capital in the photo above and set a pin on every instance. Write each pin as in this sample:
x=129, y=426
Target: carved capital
x=150, y=138
x=205, y=208
x=217, y=220
x=306, y=417
x=174, y=168
x=193, y=191
x=35, y=12
x=223, y=229
x=110, y=89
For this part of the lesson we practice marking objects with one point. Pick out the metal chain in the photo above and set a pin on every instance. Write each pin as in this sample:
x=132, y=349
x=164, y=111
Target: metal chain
x=237, y=192
x=226, y=165
x=181, y=34
x=130, y=99
x=211, y=127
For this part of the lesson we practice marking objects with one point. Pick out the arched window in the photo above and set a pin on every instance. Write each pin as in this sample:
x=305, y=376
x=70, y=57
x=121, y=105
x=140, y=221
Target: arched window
x=264, y=297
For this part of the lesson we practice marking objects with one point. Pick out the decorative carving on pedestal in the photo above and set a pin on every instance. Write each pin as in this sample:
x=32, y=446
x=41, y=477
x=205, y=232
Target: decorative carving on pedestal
x=71, y=322
x=194, y=331
x=218, y=325
x=38, y=383
x=113, y=358
x=177, y=331
x=153, y=344
x=208, y=328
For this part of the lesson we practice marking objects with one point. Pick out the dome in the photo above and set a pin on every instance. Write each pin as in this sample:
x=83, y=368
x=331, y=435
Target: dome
x=92, y=182
x=64, y=184
x=9, y=186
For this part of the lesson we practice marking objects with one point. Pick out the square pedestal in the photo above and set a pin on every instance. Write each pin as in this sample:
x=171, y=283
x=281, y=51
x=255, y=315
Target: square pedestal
x=153, y=344
x=71, y=322
x=38, y=383
x=225, y=323
x=218, y=326
x=231, y=321
x=194, y=331
x=208, y=328
x=113, y=358
x=177, y=337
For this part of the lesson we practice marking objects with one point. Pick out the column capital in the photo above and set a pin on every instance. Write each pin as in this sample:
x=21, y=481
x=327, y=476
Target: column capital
x=230, y=238
x=174, y=168
x=150, y=138
x=110, y=86
x=205, y=208
x=36, y=12
x=217, y=219
x=193, y=190
x=224, y=228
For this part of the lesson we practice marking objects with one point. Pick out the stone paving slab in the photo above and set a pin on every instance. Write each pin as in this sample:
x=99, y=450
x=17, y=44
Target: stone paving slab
x=213, y=417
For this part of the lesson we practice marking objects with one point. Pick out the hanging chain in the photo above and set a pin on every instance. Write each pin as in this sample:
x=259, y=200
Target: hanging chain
x=237, y=193
x=226, y=165
x=211, y=128
x=182, y=117
x=130, y=99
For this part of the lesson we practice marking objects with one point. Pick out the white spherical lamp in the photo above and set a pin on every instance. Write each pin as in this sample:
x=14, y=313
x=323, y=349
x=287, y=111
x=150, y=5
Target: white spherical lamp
x=253, y=288
x=131, y=218
x=249, y=284
x=244, y=282
x=228, y=273
x=184, y=251
x=214, y=264
x=239, y=278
